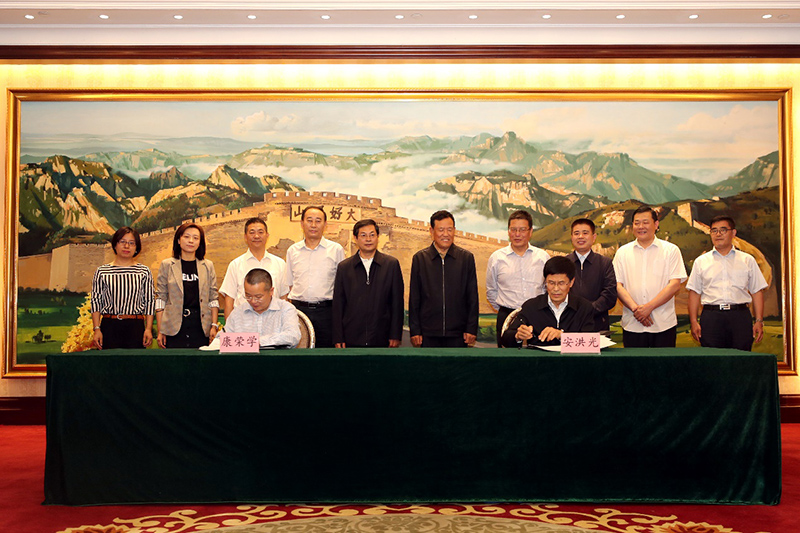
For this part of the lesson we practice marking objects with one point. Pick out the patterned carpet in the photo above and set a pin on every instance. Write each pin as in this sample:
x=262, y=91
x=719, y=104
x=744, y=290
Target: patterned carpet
x=521, y=518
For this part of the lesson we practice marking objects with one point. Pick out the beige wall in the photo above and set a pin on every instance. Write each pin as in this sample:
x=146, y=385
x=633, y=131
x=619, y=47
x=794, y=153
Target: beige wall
x=34, y=271
x=628, y=79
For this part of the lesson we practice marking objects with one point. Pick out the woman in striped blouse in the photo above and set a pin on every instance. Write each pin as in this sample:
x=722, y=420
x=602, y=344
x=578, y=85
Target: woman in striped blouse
x=122, y=296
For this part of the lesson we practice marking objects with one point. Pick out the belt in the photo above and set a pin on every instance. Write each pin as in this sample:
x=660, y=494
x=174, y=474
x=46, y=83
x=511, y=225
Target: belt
x=312, y=305
x=725, y=307
x=126, y=317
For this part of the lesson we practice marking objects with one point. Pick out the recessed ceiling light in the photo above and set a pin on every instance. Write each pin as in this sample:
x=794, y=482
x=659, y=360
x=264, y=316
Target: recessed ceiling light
x=620, y=17
x=767, y=16
x=252, y=17
x=694, y=16
x=546, y=16
x=325, y=17
x=177, y=17
x=399, y=17
x=473, y=17
x=104, y=17
x=29, y=17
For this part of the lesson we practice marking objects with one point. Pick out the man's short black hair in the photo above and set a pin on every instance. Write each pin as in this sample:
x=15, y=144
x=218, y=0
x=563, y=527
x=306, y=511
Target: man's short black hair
x=255, y=220
x=723, y=218
x=645, y=209
x=259, y=275
x=365, y=222
x=317, y=207
x=559, y=265
x=441, y=215
x=521, y=214
x=120, y=233
x=585, y=222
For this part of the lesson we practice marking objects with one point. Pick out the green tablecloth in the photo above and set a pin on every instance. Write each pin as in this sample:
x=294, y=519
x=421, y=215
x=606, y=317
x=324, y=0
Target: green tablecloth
x=412, y=425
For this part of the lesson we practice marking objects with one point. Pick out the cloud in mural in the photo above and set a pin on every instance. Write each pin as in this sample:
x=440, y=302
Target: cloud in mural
x=364, y=121
x=704, y=146
x=401, y=183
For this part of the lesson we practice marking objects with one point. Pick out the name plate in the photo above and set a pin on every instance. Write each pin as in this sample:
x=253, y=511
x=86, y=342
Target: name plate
x=580, y=342
x=238, y=342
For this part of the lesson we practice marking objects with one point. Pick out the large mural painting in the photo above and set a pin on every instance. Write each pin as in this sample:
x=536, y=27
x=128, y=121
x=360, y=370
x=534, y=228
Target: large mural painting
x=89, y=166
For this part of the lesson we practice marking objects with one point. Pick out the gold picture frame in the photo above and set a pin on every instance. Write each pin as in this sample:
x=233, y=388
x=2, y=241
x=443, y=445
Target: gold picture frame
x=360, y=92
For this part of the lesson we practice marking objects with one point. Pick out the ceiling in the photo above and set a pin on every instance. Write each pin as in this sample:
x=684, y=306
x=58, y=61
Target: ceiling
x=155, y=22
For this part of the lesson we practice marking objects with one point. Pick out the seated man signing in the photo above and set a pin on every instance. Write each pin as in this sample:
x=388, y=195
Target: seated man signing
x=274, y=320
x=543, y=318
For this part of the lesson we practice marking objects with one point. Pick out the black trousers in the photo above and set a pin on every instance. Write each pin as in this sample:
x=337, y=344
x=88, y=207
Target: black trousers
x=127, y=333
x=502, y=314
x=726, y=329
x=662, y=339
x=443, y=342
x=191, y=334
x=322, y=320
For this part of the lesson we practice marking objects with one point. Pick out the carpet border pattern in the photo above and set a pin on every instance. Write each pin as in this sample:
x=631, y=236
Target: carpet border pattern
x=601, y=519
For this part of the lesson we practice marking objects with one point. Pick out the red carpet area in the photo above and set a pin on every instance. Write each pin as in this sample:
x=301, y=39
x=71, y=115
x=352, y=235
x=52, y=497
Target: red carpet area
x=22, y=450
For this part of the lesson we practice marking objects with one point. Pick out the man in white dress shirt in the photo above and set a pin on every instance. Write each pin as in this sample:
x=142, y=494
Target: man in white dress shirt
x=256, y=236
x=311, y=269
x=725, y=281
x=514, y=273
x=649, y=273
x=274, y=320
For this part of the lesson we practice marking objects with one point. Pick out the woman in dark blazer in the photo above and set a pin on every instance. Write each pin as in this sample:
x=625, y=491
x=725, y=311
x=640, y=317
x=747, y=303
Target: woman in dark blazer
x=187, y=304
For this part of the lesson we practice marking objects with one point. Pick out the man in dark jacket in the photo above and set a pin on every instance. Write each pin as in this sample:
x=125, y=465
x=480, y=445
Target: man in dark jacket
x=594, y=273
x=543, y=318
x=443, y=296
x=368, y=294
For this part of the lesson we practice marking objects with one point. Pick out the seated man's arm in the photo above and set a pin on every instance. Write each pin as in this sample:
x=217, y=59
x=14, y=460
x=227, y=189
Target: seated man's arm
x=509, y=338
x=289, y=334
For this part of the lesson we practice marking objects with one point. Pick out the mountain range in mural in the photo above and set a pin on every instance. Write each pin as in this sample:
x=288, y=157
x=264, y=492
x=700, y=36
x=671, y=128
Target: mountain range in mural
x=84, y=198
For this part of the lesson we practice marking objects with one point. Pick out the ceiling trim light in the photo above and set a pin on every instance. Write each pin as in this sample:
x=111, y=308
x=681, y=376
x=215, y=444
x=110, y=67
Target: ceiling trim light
x=620, y=17
x=325, y=17
x=693, y=17
x=177, y=17
x=399, y=17
x=546, y=17
x=104, y=17
x=473, y=17
x=29, y=17
x=767, y=16
x=252, y=17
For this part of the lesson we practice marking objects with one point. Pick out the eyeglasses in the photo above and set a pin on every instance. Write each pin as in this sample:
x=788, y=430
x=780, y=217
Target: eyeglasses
x=719, y=231
x=127, y=243
x=518, y=230
x=560, y=284
x=254, y=298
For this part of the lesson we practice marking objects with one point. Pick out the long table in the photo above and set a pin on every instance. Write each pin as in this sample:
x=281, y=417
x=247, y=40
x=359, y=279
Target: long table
x=413, y=425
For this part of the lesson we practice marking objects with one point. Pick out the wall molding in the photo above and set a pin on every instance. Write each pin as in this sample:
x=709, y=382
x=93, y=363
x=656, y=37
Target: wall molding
x=577, y=53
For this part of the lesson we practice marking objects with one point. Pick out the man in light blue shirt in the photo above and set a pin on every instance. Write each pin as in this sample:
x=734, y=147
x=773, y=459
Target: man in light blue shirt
x=274, y=320
x=514, y=273
x=726, y=281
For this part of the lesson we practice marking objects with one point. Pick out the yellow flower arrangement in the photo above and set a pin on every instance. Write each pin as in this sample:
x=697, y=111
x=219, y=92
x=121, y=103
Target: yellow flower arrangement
x=81, y=336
